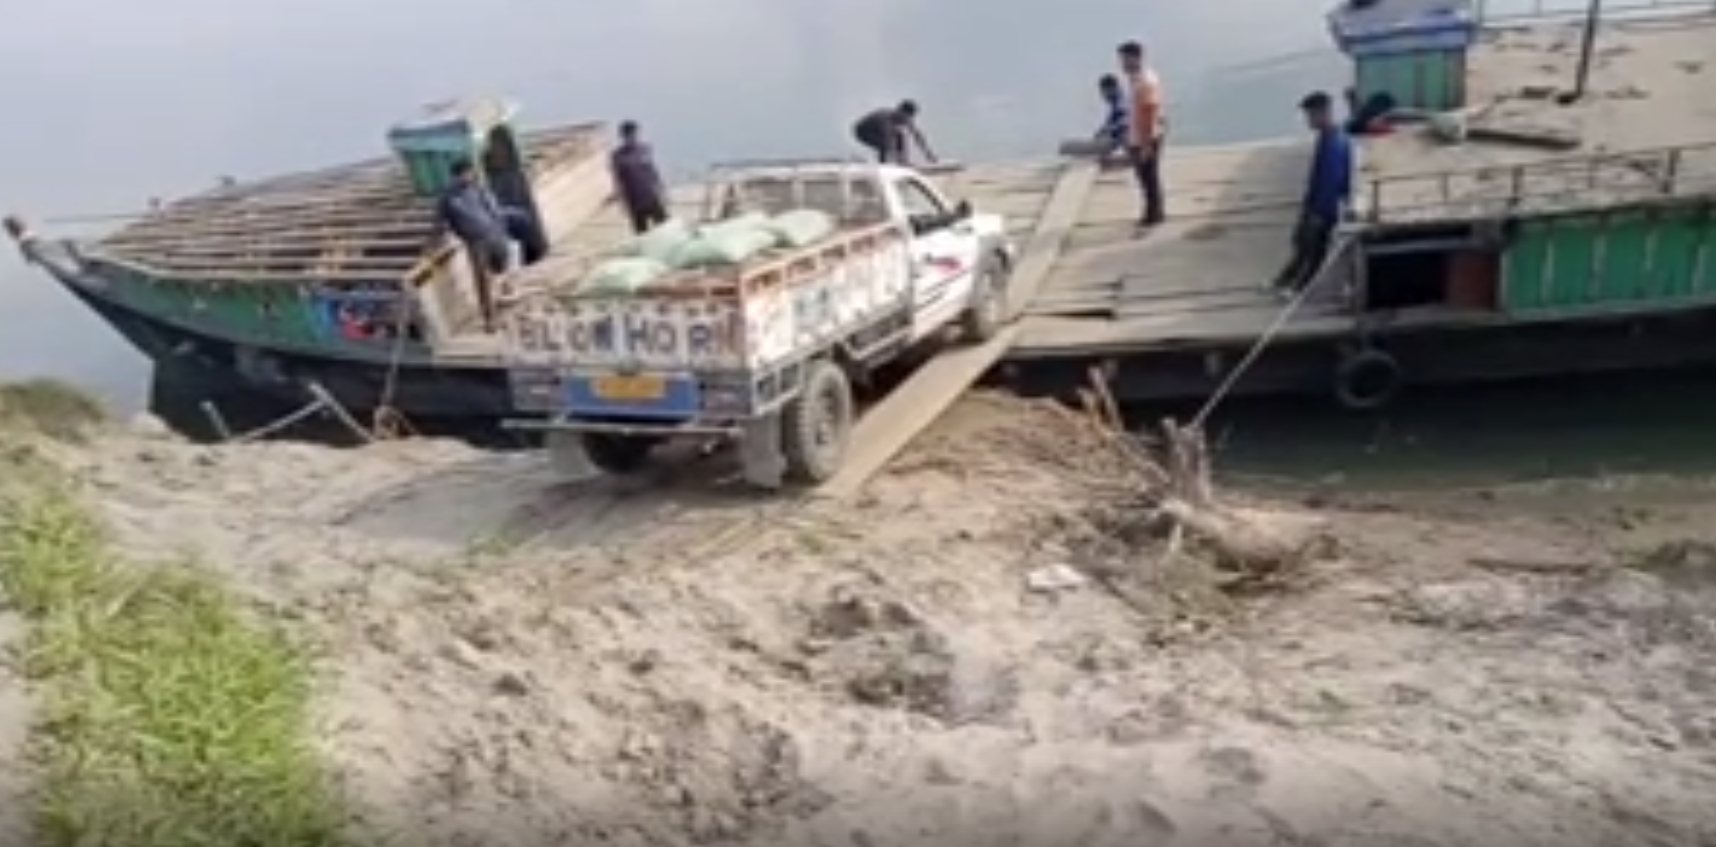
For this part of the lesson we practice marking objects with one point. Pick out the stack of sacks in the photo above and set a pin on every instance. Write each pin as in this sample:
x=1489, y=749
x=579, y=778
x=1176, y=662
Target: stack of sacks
x=660, y=242
x=728, y=242
x=675, y=246
x=622, y=275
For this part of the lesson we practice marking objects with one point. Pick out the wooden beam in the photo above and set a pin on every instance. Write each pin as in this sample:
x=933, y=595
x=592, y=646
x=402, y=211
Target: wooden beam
x=542, y=148
x=272, y=266
x=347, y=193
x=279, y=278
x=911, y=408
x=383, y=230
x=300, y=243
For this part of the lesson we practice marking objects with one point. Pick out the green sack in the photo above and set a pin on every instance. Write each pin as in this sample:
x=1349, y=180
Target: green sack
x=739, y=223
x=622, y=276
x=660, y=241
x=802, y=227
x=719, y=246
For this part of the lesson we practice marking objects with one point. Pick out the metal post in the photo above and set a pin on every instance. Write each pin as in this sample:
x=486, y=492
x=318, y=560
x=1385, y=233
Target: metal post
x=1593, y=15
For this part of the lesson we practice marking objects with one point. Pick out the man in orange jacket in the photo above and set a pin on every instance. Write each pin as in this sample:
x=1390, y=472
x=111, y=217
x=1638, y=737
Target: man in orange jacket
x=1149, y=127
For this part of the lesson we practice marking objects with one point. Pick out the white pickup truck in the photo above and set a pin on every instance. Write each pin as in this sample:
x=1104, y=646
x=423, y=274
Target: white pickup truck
x=765, y=352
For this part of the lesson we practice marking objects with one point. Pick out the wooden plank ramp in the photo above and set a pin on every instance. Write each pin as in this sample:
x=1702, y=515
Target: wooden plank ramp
x=911, y=408
x=1199, y=279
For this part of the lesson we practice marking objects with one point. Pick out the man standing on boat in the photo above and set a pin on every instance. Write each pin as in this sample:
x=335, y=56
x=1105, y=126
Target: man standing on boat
x=471, y=212
x=1147, y=130
x=636, y=180
x=1326, y=192
x=886, y=131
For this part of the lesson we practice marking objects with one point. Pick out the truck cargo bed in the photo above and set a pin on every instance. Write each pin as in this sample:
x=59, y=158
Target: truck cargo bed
x=561, y=276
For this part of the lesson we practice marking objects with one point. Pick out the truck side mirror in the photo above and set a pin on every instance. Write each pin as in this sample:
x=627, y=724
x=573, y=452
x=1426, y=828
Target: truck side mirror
x=962, y=210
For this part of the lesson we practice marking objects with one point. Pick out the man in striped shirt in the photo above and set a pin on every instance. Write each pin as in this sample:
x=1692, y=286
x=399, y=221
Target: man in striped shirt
x=1147, y=131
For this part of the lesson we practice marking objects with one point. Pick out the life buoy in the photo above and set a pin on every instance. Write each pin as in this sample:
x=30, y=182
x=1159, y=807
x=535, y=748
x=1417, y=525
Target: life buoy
x=1367, y=379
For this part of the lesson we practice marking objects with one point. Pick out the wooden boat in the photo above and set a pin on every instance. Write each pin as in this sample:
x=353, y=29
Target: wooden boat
x=1480, y=247
x=338, y=277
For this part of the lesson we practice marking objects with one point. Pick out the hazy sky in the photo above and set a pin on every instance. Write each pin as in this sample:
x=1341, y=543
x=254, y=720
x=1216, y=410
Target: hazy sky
x=107, y=103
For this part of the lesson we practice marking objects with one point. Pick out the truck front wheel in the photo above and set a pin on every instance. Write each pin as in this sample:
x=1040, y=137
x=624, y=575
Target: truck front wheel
x=818, y=424
x=988, y=309
x=617, y=454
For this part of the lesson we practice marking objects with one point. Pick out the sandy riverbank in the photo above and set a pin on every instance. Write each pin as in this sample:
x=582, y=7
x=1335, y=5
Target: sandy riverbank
x=14, y=733
x=509, y=658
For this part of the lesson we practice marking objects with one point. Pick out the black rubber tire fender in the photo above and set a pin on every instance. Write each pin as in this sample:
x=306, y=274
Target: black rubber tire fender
x=816, y=427
x=1356, y=372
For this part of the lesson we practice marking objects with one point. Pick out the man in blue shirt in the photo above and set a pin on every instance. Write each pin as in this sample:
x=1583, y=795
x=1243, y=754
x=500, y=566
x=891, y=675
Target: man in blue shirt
x=1326, y=194
x=1115, y=128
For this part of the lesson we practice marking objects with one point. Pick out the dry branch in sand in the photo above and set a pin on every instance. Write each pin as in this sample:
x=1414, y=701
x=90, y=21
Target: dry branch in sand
x=1161, y=489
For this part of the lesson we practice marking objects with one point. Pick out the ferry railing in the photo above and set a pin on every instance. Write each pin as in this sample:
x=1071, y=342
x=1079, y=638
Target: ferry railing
x=1563, y=184
x=1503, y=13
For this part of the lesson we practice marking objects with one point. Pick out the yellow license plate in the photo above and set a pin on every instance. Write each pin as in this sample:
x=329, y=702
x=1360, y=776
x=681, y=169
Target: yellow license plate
x=629, y=389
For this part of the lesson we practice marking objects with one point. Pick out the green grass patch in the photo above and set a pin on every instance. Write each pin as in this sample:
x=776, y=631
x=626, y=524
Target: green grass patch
x=168, y=714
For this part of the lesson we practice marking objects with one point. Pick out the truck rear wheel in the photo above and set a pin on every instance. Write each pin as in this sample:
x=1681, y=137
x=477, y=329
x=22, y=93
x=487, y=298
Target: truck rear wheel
x=818, y=424
x=617, y=454
x=988, y=309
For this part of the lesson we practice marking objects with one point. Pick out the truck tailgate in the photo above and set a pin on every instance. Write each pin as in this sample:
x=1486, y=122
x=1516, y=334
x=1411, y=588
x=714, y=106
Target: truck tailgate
x=655, y=353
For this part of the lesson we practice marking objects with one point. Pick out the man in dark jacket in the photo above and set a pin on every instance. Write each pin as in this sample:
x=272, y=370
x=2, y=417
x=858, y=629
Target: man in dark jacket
x=636, y=181
x=470, y=211
x=886, y=131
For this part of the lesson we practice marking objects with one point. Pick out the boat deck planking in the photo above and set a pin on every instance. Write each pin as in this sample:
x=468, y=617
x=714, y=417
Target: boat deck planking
x=358, y=219
x=1199, y=278
x=1648, y=93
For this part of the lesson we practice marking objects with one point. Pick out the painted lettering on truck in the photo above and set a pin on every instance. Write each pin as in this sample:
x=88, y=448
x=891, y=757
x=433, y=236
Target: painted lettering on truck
x=821, y=311
x=651, y=334
x=762, y=329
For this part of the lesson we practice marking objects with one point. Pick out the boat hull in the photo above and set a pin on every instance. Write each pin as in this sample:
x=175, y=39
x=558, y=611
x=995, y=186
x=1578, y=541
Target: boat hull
x=474, y=398
x=1441, y=356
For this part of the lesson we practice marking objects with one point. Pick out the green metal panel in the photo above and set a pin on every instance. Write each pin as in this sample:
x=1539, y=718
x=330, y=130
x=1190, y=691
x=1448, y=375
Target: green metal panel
x=431, y=171
x=1703, y=270
x=1572, y=256
x=1525, y=269
x=1429, y=80
x=1624, y=273
x=1620, y=259
x=1676, y=251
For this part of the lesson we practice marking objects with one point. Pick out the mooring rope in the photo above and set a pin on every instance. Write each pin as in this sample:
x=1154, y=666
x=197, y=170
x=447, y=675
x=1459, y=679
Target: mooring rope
x=1263, y=341
x=388, y=423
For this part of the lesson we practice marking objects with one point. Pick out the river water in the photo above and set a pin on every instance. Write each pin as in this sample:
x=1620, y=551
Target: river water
x=126, y=103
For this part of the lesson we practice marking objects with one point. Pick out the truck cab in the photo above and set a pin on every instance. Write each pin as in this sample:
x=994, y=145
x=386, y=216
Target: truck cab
x=765, y=351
